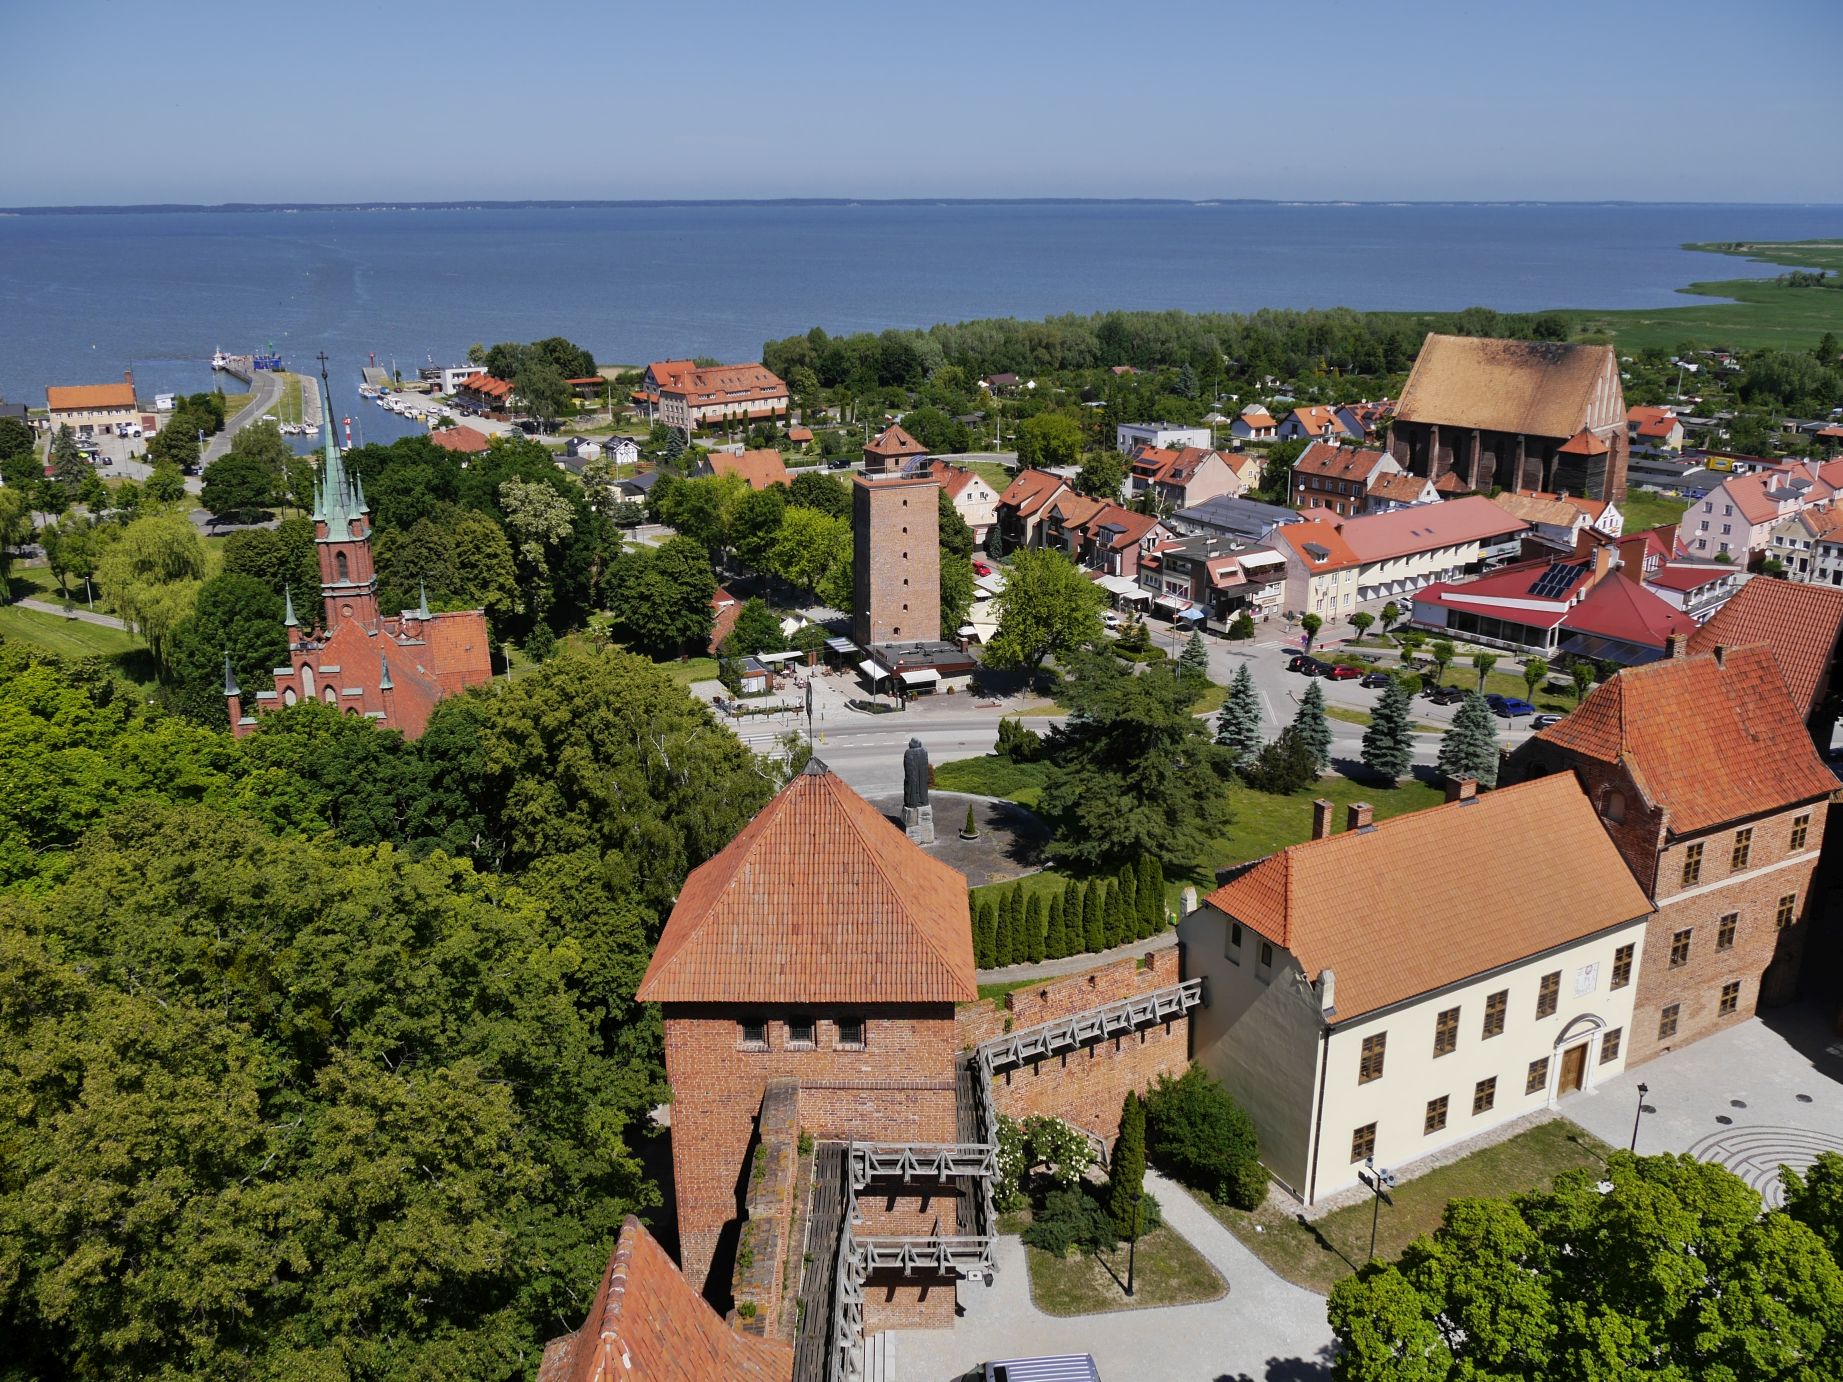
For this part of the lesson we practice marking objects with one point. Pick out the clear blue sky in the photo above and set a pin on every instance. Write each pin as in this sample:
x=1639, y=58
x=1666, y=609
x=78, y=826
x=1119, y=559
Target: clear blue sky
x=1309, y=99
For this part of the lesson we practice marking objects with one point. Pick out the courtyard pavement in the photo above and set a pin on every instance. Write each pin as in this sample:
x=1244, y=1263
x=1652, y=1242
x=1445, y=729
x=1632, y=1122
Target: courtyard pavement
x=1767, y=1092
x=1263, y=1330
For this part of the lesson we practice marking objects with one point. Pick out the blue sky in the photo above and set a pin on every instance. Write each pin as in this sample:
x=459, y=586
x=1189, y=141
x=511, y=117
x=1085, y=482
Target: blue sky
x=177, y=100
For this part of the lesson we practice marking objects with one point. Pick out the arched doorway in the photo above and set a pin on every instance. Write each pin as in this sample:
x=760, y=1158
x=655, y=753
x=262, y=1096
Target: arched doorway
x=1572, y=1067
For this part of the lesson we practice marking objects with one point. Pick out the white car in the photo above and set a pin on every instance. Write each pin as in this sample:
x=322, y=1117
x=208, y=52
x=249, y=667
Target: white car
x=1110, y=619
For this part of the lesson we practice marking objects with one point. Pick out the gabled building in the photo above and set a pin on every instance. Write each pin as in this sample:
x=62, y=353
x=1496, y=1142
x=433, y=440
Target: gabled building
x=1177, y=479
x=760, y=468
x=1698, y=591
x=685, y=395
x=973, y=499
x=891, y=450
x=391, y=669
x=1114, y=539
x=463, y=441
x=1254, y=424
x=1704, y=776
x=1217, y=575
x=1361, y=1000
x=1809, y=546
x=1024, y=505
x=1339, y=478
x=1550, y=520
x=1802, y=627
x=483, y=393
x=1244, y=520
x=1654, y=427
x=1315, y=422
x=1514, y=415
x=1736, y=519
x=92, y=409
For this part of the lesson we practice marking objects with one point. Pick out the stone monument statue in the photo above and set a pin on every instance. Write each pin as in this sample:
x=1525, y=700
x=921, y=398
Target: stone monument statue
x=917, y=811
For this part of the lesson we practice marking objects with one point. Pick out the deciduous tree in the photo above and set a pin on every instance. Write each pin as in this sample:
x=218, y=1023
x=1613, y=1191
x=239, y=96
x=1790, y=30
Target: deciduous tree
x=1048, y=607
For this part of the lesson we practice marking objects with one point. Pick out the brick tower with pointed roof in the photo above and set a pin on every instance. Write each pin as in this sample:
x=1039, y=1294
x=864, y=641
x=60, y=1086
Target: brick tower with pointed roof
x=820, y=947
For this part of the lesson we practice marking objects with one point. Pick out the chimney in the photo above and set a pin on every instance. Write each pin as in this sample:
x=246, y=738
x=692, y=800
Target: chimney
x=1357, y=816
x=128, y=377
x=1462, y=789
x=1321, y=819
x=1327, y=992
x=1603, y=559
x=1721, y=656
x=1676, y=646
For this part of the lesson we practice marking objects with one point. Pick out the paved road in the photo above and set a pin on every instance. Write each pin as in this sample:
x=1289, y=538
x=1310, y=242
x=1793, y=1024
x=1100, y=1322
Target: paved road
x=866, y=750
x=265, y=393
x=1263, y=1328
x=81, y=615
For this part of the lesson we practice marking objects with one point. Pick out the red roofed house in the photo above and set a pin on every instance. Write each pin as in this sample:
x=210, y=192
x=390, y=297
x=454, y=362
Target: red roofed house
x=1114, y=539
x=1339, y=478
x=1736, y=519
x=391, y=669
x=1649, y=426
x=973, y=499
x=647, y=1324
x=661, y=374
x=464, y=440
x=1809, y=546
x=1254, y=423
x=760, y=468
x=726, y=609
x=1704, y=776
x=890, y=450
x=91, y=408
x=1802, y=626
x=808, y=976
x=1187, y=475
x=1024, y=506
x=1361, y=1000
x=482, y=393
x=720, y=394
x=1317, y=422
x=1699, y=591
x=1514, y=415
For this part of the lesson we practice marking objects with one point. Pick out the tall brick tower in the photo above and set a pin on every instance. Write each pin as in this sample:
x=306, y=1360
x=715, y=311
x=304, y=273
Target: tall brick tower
x=895, y=560
x=822, y=951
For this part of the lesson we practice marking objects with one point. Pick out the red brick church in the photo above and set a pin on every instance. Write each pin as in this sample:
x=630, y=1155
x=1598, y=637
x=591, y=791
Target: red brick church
x=388, y=668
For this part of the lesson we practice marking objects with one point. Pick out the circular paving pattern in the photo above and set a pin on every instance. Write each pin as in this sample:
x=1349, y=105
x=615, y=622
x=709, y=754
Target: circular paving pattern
x=1756, y=1153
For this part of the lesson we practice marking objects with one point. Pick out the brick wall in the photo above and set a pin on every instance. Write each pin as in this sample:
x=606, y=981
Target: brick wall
x=758, y=1277
x=1085, y=1086
x=892, y=1301
x=900, y=1080
x=895, y=561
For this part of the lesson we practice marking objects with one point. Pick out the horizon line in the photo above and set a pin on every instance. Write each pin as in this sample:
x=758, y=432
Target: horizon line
x=599, y=203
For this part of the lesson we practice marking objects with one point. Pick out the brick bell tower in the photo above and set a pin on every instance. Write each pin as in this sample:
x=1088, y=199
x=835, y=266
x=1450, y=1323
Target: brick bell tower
x=342, y=534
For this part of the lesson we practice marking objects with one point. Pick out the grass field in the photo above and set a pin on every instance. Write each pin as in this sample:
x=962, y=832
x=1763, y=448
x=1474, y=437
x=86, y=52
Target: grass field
x=1319, y=1254
x=994, y=474
x=1167, y=1271
x=74, y=638
x=1644, y=508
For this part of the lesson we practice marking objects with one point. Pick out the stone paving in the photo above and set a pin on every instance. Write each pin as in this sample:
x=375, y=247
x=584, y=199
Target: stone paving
x=1265, y=1328
x=1765, y=1093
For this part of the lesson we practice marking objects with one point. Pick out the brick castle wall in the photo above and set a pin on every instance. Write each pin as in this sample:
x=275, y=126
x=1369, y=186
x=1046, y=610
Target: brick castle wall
x=895, y=561
x=1086, y=1086
x=717, y=1089
x=758, y=1277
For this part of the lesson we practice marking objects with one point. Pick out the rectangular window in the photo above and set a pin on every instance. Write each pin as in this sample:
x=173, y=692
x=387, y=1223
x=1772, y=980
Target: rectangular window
x=1446, y=1032
x=1730, y=998
x=1549, y=996
x=1724, y=935
x=1679, y=948
x=1788, y=908
x=1484, y=1096
x=1667, y=1021
x=1801, y=830
x=1743, y=849
x=1622, y=966
x=851, y=1033
x=1538, y=1079
x=1266, y=954
x=1436, y=1116
x=1495, y=1006
x=1233, y=949
x=752, y=1033
x=1363, y=1142
x=800, y=1031
x=1373, y=1049
x=1609, y=1045
x=1692, y=864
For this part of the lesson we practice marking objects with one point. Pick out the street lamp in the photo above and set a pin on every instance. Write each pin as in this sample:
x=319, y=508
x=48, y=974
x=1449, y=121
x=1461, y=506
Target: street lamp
x=1377, y=1179
x=1132, y=1247
x=1643, y=1089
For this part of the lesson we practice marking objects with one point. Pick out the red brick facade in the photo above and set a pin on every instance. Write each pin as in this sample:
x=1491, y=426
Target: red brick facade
x=1085, y=1087
x=895, y=561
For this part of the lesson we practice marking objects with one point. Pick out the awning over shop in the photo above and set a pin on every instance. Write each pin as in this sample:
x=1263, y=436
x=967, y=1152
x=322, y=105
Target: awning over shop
x=1136, y=596
x=1117, y=585
x=840, y=645
x=872, y=671
x=923, y=676
x=1194, y=612
x=1174, y=603
x=772, y=658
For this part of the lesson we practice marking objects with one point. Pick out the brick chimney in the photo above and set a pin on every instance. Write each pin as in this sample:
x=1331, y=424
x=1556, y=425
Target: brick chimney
x=1676, y=645
x=1359, y=816
x=1604, y=559
x=1321, y=818
x=128, y=377
x=1462, y=789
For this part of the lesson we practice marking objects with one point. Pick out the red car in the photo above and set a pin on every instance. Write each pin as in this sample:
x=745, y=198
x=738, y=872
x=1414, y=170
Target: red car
x=1342, y=674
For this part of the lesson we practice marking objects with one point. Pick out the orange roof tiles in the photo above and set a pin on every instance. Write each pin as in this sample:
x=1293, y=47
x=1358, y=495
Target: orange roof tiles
x=1338, y=462
x=1132, y=527
x=716, y=385
x=1031, y=490
x=1318, y=544
x=1801, y=624
x=648, y=1325
x=952, y=478
x=1373, y=906
x=893, y=441
x=1539, y=388
x=463, y=439
x=818, y=900
x=1710, y=740
x=1318, y=418
x=487, y=386
x=85, y=397
x=1402, y=489
x=1538, y=508
x=760, y=468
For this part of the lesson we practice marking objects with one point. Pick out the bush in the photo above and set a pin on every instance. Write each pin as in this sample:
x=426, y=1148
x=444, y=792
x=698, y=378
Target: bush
x=1243, y=626
x=1247, y=1187
x=1071, y=1218
x=1018, y=744
x=1201, y=1136
x=1285, y=764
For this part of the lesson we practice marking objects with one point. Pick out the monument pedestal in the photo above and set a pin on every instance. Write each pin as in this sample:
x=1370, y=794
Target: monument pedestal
x=918, y=824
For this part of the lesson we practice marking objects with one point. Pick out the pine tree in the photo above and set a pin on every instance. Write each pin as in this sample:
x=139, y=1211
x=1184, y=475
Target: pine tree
x=1094, y=922
x=1151, y=896
x=1126, y=1172
x=1239, y=724
x=1129, y=895
x=1005, y=948
x=1033, y=929
x=1193, y=662
x=1312, y=725
x=1055, y=937
x=1470, y=746
x=987, y=935
x=1388, y=743
x=1117, y=931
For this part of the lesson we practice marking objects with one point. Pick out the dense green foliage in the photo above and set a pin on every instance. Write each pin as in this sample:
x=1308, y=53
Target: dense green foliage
x=1469, y=748
x=1673, y=1272
x=1388, y=743
x=1238, y=724
x=1201, y=1136
x=1126, y=1168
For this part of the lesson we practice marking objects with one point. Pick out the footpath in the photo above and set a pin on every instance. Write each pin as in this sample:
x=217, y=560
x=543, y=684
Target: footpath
x=82, y=616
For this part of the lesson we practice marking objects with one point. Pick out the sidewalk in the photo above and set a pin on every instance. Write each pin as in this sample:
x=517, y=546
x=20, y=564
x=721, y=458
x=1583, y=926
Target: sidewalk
x=82, y=616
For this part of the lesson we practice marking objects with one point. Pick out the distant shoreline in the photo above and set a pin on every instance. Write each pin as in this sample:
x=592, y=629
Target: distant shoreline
x=253, y=208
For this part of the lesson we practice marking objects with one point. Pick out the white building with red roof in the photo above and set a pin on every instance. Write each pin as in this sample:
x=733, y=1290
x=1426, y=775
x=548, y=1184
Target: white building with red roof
x=1735, y=520
x=1188, y=475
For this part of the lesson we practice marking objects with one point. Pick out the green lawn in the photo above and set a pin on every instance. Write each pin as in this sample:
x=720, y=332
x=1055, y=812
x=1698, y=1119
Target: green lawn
x=992, y=776
x=1167, y=1270
x=994, y=474
x=1319, y=1254
x=691, y=669
x=52, y=633
x=1645, y=508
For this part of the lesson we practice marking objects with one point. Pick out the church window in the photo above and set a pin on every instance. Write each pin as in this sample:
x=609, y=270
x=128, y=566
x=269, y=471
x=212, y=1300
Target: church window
x=339, y=565
x=331, y=698
x=288, y=695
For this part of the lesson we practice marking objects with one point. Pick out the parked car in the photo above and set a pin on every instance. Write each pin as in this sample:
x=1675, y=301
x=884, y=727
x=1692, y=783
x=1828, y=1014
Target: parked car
x=1305, y=662
x=1340, y=673
x=1544, y=721
x=1509, y=707
x=1110, y=619
x=1375, y=680
x=1445, y=695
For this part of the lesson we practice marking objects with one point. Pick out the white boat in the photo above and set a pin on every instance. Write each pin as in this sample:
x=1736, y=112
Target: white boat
x=219, y=360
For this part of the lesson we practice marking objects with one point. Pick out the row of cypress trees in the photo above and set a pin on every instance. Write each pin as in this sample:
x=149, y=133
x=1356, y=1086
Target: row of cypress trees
x=1079, y=918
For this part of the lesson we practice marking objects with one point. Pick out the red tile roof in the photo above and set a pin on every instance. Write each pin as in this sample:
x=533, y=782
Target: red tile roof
x=1642, y=413
x=1620, y=608
x=717, y=385
x=1708, y=740
x=1376, y=537
x=1257, y=417
x=1402, y=489
x=1584, y=444
x=1318, y=544
x=1801, y=624
x=647, y=1324
x=1539, y=388
x=1131, y=527
x=1318, y=418
x=463, y=439
x=1030, y=490
x=85, y=397
x=952, y=478
x=760, y=468
x=818, y=900
x=1348, y=902
x=1338, y=462
x=893, y=441
x=800, y=434
x=486, y=386
x=1662, y=427
x=1683, y=576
